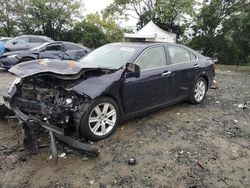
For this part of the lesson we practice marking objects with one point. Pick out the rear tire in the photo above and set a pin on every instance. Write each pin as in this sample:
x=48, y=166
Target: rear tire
x=100, y=120
x=199, y=91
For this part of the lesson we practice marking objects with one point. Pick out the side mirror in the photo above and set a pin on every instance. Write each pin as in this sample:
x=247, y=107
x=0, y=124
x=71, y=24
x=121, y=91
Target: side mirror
x=14, y=42
x=133, y=70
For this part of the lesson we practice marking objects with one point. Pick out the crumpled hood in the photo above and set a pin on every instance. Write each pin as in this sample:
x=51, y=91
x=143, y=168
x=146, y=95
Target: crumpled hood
x=59, y=67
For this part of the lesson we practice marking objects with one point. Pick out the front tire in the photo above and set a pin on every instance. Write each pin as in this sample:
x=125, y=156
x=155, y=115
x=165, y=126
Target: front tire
x=100, y=120
x=199, y=91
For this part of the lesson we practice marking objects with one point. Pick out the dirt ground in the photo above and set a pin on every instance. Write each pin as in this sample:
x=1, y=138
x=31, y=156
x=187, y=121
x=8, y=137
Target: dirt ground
x=183, y=145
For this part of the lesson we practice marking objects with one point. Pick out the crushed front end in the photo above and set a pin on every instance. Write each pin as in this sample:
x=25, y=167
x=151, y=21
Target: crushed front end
x=44, y=100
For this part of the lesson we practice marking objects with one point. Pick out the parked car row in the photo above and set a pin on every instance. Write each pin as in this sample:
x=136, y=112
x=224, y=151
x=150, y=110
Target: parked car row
x=31, y=47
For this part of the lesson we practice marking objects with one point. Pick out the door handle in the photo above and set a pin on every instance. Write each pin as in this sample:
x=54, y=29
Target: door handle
x=196, y=65
x=166, y=73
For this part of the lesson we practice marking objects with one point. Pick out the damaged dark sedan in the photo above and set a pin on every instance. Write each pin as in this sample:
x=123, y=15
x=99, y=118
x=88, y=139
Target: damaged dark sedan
x=113, y=83
x=54, y=50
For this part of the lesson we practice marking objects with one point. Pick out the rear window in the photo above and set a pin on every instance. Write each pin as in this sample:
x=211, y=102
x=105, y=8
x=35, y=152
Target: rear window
x=179, y=55
x=71, y=46
x=54, y=47
x=36, y=40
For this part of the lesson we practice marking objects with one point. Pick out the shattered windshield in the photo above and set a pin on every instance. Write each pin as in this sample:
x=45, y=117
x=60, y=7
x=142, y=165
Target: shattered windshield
x=110, y=56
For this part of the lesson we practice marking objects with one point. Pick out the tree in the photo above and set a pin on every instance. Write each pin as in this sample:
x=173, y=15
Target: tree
x=51, y=16
x=125, y=8
x=109, y=27
x=46, y=17
x=222, y=31
x=8, y=17
x=85, y=33
x=170, y=15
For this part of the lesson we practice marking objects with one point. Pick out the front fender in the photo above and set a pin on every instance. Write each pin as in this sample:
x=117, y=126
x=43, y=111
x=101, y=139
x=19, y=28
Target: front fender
x=102, y=85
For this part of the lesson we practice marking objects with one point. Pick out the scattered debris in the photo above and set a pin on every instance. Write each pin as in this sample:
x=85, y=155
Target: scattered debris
x=62, y=155
x=131, y=161
x=91, y=182
x=217, y=102
x=200, y=164
x=214, y=85
x=243, y=106
x=236, y=121
x=85, y=158
x=223, y=179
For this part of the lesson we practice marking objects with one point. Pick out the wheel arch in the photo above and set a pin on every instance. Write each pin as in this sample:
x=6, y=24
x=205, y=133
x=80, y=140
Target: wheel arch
x=28, y=57
x=206, y=79
x=6, y=50
x=115, y=99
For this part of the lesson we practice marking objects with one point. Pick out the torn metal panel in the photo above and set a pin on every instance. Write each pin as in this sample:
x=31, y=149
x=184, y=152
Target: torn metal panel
x=79, y=146
x=29, y=136
x=102, y=84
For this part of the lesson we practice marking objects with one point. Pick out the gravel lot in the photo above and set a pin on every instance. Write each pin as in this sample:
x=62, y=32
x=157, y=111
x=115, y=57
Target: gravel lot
x=183, y=145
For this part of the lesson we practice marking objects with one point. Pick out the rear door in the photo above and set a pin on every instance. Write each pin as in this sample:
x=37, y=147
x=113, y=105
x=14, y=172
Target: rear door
x=151, y=88
x=184, y=67
x=52, y=51
x=73, y=51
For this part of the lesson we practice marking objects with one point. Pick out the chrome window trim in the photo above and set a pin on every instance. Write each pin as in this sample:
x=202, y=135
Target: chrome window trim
x=165, y=56
x=166, y=66
x=196, y=58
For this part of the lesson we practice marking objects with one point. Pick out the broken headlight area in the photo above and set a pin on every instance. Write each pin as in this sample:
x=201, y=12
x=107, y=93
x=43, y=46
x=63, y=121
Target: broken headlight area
x=47, y=99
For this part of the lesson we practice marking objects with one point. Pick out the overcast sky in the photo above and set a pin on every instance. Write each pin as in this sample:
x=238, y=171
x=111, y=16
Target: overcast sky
x=93, y=6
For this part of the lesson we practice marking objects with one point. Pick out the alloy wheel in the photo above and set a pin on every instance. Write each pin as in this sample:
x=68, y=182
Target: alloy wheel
x=102, y=119
x=200, y=90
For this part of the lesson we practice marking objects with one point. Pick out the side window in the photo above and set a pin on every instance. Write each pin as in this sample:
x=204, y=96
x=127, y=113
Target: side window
x=22, y=40
x=152, y=58
x=178, y=54
x=70, y=46
x=36, y=40
x=55, y=47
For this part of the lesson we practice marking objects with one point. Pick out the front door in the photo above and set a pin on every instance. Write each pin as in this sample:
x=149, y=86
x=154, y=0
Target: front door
x=151, y=88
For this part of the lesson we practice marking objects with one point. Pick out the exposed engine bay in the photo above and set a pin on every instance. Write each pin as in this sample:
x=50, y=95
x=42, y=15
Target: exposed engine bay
x=50, y=97
x=48, y=100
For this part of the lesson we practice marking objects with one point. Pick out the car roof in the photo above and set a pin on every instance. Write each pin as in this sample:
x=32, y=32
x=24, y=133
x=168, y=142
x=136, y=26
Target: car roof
x=66, y=42
x=39, y=36
x=145, y=44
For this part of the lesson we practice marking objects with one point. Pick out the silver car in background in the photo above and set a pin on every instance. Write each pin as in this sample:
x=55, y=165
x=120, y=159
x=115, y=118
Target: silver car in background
x=25, y=42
